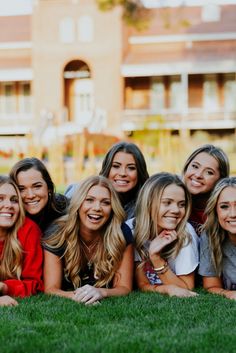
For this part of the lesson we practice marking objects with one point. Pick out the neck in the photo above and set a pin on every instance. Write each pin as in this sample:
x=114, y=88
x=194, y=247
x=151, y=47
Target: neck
x=3, y=234
x=232, y=238
x=88, y=236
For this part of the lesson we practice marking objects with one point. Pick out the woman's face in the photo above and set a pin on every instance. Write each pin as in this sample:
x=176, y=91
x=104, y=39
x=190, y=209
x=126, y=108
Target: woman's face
x=33, y=189
x=9, y=207
x=172, y=208
x=226, y=209
x=95, y=209
x=202, y=174
x=123, y=172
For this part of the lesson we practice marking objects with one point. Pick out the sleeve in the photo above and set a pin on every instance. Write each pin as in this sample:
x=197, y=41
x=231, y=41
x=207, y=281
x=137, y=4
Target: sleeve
x=32, y=268
x=52, y=229
x=70, y=190
x=187, y=259
x=206, y=267
x=127, y=233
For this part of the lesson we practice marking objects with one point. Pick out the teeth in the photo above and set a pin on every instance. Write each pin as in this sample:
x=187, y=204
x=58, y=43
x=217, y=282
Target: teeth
x=195, y=183
x=6, y=215
x=121, y=182
x=32, y=203
x=232, y=222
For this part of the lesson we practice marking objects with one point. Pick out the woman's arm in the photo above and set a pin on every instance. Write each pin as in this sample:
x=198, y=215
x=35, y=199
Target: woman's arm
x=122, y=283
x=169, y=289
x=214, y=285
x=53, y=274
x=30, y=281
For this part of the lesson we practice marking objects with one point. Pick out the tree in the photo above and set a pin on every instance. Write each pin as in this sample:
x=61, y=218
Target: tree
x=134, y=12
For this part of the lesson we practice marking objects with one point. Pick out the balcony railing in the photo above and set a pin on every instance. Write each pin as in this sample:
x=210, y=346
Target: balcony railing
x=192, y=118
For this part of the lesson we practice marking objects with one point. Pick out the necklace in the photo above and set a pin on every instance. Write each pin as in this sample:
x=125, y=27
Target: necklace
x=91, y=246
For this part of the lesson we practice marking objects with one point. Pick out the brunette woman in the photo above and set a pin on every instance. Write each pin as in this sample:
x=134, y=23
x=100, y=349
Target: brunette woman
x=20, y=251
x=88, y=254
x=203, y=168
x=166, y=253
x=125, y=166
x=40, y=201
x=218, y=242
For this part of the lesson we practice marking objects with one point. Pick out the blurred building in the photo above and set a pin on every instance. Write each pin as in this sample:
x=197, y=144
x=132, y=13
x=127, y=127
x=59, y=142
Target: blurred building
x=64, y=63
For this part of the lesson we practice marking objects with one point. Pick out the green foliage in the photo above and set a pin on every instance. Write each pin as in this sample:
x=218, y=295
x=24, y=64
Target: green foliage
x=134, y=13
x=140, y=322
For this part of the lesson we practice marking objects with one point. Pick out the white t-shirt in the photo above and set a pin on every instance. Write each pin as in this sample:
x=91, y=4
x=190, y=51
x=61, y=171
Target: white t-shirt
x=185, y=262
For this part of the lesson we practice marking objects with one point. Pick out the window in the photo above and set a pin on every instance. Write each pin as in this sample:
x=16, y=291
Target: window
x=8, y=98
x=67, y=30
x=85, y=29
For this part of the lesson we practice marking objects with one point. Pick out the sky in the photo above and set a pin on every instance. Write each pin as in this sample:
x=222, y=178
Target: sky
x=22, y=7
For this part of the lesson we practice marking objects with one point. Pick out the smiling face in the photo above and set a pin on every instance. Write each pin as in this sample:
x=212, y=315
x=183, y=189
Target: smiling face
x=33, y=189
x=95, y=209
x=202, y=174
x=172, y=208
x=226, y=210
x=123, y=172
x=9, y=207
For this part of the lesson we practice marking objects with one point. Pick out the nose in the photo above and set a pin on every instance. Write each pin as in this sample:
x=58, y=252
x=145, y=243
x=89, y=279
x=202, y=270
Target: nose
x=7, y=203
x=198, y=173
x=29, y=193
x=175, y=208
x=97, y=205
x=122, y=171
x=232, y=211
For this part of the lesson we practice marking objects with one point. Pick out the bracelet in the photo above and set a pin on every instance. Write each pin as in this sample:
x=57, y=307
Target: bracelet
x=162, y=269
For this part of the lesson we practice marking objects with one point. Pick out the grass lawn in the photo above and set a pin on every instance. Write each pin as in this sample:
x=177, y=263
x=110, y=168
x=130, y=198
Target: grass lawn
x=140, y=322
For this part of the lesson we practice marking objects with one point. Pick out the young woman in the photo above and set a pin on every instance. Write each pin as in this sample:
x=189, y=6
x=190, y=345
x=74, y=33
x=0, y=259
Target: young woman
x=218, y=242
x=40, y=201
x=166, y=254
x=20, y=251
x=88, y=254
x=125, y=166
x=203, y=168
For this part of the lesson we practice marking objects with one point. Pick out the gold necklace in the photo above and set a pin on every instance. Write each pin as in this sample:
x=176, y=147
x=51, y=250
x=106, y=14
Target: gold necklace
x=89, y=249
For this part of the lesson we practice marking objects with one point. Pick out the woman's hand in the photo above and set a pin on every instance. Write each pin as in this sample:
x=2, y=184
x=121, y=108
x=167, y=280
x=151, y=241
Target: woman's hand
x=7, y=301
x=3, y=288
x=161, y=240
x=175, y=291
x=88, y=295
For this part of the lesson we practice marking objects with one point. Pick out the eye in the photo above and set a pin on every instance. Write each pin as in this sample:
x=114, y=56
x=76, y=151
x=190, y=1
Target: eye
x=37, y=186
x=209, y=172
x=116, y=166
x=132, y=168
x=1, y=198
x=224, y=207
x=21, y=188
x=182, y=204
x=166, y=203
x=14, y=200
x=89, y=199
x=106, y=203
x=194, y=165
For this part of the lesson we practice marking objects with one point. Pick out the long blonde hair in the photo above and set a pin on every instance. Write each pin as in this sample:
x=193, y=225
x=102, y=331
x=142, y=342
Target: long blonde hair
x=11, y=258
x=147, y=209
x=212, y=227
x=109, y=251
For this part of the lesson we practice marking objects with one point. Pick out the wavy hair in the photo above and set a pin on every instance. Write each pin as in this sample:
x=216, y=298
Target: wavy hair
x=109, y=250
x=130, y=148
x=11, y=258
x=35, y=163
x=212, y=227
x=215, y=152
x=147, y=209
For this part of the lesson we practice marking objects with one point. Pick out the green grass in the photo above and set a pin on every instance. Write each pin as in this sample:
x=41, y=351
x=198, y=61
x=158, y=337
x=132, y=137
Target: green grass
x=140, y=322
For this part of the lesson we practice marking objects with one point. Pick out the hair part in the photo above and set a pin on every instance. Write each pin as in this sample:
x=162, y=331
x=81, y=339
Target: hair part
x=147, y=209
x=11, y=258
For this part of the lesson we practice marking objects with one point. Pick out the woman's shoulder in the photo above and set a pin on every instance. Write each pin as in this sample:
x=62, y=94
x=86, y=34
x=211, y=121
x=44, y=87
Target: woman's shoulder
x=29, y=229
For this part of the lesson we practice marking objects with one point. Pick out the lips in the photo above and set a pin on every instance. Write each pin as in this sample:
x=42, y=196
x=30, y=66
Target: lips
x=196, y=183
x=94, y=217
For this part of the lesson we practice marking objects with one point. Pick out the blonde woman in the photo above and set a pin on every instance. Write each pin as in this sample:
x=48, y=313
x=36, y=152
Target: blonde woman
x=166, y=254
x=20, y=251
x=88, y=254
x=218, y=242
